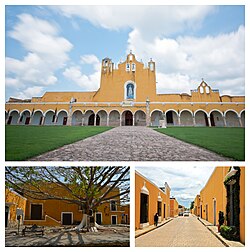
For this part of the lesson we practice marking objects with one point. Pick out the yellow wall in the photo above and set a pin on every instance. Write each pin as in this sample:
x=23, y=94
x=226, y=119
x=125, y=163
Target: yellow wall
x=216, y=190
x=52, y=209
x=14, y=201
x=111, y=96
x=154, y=192
x=174, y=207
x=242, y=205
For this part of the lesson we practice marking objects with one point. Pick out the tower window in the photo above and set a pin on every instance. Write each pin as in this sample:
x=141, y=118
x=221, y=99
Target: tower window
x=127, y=67
x=133, y=67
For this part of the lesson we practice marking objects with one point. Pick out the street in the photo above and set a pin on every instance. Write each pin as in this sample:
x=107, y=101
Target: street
x=180, y=232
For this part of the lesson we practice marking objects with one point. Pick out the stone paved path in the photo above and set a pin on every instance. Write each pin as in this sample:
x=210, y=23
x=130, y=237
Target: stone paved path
x=180, y=232
x=130, y=144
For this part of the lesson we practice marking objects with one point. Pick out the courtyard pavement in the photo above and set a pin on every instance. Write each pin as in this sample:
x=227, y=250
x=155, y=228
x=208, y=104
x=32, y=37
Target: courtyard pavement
x=130, y=143
x=110, y=237
x=180, y=232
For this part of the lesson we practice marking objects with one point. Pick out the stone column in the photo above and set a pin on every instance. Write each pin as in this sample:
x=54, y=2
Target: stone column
x=133, y=120
x=7, y=119
x=209, y=121
x=240, y=122
x=194, y=123
x=179, y=120
x=121, y=119
x=148, y=119
x=95, y=120
x=224, y=120
x=43, y=119
x=108, y=120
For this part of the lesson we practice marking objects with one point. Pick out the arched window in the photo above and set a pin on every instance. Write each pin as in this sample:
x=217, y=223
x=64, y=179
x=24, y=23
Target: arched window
x=130, y=91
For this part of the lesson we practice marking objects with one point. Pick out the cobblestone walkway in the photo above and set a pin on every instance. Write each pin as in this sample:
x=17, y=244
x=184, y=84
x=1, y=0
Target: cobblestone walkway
x=130, y=144
x=180, y=232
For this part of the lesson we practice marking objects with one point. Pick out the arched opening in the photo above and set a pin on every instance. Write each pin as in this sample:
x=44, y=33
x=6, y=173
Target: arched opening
x=216, y=119
x=62, y=118
x=49, y=118
x=37, y=118
x=186, y=118
x=242, y=116
x=13, y=118
x=114, y=118
x=140, y=118
x=103, y=116
x=232, y=119
x=77, y=118
x=171, y=117
x=25, y=118
x=127, y=118
x=201, y=118
x=155, y=118
x=91, y=119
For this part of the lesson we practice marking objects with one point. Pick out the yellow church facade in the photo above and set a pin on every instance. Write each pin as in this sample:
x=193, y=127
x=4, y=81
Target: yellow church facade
x=127, y=96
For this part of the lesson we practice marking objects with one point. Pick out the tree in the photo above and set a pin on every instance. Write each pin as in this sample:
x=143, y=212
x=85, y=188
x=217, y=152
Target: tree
x=88, y=187
x=192, y=205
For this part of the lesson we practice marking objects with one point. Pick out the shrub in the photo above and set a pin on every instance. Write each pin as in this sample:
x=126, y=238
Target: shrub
x=230, y=233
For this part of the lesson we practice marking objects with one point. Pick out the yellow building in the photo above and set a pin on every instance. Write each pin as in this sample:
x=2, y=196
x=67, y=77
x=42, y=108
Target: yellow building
x=196, y=209
x=127, y=96
x=174, y=207
x=221, y=193
x=15, y=205
x=149, y=200
x=51, y=212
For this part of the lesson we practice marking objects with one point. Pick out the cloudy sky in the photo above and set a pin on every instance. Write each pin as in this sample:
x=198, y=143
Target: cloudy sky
x=59, y=48
x=185, y=181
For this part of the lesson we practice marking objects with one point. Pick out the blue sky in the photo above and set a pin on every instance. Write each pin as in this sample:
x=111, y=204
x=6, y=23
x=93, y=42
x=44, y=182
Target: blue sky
x=185, y=181
x=59, y=48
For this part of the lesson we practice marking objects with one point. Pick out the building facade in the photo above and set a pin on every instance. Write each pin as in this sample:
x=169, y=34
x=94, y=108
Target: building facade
x=174, y=207
x=127, y=96
x=149, y=200
x=219, y=194
x=15, y=207
x=50, y=212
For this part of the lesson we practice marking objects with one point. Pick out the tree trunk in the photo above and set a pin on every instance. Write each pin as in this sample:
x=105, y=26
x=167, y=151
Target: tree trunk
x=84, y=222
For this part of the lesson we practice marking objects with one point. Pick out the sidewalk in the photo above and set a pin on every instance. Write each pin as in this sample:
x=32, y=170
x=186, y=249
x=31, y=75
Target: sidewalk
x=214, y=230
x=140, y=232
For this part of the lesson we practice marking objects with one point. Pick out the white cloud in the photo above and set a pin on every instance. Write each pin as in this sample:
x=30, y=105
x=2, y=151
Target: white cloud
x=185, y=182
x=46, y=53
x=87, y=82
x=183, y=61
x=30, y=92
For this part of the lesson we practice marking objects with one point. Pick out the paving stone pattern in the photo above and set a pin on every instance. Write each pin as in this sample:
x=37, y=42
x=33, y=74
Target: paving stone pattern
x=129, y=143
x=180, y=232
x=119, y=238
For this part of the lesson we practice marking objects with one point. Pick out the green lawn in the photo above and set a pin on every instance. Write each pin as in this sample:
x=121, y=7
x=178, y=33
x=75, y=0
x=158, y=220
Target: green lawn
x=229, y=142
x=24, y=142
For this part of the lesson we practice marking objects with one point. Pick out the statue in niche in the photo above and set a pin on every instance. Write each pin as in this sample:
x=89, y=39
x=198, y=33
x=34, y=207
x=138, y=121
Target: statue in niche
x=130, y=91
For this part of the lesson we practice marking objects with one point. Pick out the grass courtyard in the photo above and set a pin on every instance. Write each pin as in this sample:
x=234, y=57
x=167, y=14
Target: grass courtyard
x=229, y=142
x=24, y=142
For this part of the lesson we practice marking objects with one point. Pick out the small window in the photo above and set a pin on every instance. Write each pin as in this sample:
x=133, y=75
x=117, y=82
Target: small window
x=113, y=206
x=127, y=67
x=130, y=57
x=151, y=66
x=207, y=90
x=201, y=90
x=133, y=67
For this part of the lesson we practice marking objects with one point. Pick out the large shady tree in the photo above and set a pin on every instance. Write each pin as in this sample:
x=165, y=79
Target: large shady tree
x=88, y=187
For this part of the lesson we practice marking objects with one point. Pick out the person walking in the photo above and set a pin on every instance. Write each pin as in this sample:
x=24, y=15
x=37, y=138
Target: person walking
x=156, y=219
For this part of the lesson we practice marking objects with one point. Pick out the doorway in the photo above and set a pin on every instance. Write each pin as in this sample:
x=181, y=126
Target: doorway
x=65, y=120
x=67, y=218
x=113, y=219
x=144, y=208
x=128, y=118
x=36, y=211
x=98, y=218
